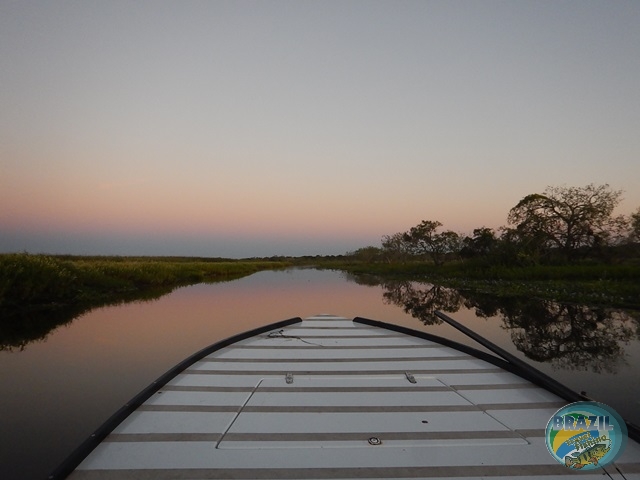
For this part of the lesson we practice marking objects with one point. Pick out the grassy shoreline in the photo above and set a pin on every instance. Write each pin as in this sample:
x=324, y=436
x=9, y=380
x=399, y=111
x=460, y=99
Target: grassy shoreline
x=615, y=286
x=57, y=281
x=40, y=292
x=47, y=282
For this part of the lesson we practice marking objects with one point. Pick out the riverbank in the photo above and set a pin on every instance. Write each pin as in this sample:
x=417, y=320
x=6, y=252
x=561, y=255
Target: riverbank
x=52, y=281
x=615, y=286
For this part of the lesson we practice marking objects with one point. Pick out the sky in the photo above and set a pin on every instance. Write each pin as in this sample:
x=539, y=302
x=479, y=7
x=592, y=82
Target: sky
x=258, y=128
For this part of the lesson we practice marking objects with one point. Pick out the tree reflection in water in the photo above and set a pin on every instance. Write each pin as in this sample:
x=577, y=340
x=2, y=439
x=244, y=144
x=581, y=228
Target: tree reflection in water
x=422, y=300
x=566, y=336
x=572, y=337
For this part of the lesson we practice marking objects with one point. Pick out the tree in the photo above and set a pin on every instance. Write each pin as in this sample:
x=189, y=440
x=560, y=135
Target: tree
x=394, y=247
x=516, y=247
x=634, y=222
x=366, y=254
x=569, y=219
x=482, y=243
x=424, y=239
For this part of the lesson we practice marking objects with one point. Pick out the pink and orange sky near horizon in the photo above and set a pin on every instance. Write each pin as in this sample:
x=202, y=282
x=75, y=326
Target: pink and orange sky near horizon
x=257, y=128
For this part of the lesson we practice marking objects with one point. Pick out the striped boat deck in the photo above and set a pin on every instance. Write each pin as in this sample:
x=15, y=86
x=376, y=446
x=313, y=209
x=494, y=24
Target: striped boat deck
x=329, y=398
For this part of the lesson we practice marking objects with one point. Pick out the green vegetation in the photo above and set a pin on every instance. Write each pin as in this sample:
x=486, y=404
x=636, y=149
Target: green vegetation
x=564, y=244
x=598, y=284
x=40, y=292
x=47, y=282
x=563, y=225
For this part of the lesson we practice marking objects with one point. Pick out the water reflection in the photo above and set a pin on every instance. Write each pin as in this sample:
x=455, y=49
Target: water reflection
x=66, y=386
x=569, y=337
x=19, y=328
x=566, y=336
x=422, y=300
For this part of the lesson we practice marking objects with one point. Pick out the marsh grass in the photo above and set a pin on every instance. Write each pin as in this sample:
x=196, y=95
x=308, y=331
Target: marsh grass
x=591, y=284
x=47, y=281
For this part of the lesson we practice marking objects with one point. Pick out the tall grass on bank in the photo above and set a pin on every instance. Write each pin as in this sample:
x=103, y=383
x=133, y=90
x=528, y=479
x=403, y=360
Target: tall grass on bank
x=42, y=280
x=591, y=284
x=495, y=272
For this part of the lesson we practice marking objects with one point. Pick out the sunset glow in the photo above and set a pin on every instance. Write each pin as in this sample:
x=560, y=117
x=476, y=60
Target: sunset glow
x=299, y=128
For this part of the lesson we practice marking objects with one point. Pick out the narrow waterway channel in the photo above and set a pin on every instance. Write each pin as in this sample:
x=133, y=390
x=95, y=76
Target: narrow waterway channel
x=59, y=389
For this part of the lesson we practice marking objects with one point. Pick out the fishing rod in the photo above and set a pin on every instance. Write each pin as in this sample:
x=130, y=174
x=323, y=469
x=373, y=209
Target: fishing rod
x=530, y=373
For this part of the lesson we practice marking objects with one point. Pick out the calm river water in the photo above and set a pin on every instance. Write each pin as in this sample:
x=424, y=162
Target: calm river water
x=56, y=391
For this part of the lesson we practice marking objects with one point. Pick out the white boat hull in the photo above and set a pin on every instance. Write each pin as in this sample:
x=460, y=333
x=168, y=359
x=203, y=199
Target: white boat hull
x=331, y=399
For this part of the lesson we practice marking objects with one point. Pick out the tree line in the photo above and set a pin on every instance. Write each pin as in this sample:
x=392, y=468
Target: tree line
x=560, y=225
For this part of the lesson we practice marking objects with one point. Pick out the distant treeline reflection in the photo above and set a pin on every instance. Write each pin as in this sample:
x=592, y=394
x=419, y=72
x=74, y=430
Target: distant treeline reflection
x=568, y=336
